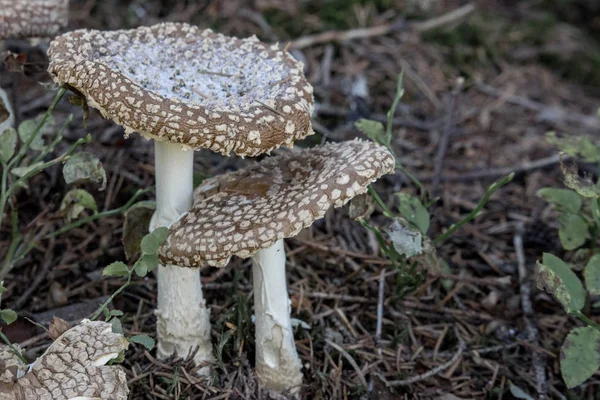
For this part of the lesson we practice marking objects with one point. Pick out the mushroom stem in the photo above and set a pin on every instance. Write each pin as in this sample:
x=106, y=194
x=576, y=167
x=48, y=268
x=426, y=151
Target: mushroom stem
x=183, y=320
x=277, y=363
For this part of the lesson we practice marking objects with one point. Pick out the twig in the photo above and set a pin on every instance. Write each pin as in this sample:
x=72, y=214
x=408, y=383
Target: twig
x=496, y=172
x=461, y=348
x=551, y=113
x=380, y=300
x=445, y=139
x=348, y=357
x=538, y=359
x=446, y=19
x=341, y=36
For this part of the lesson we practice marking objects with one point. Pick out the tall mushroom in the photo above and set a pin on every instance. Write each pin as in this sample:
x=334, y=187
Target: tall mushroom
x=248, y=213
x=32, y=18
x=186, y=88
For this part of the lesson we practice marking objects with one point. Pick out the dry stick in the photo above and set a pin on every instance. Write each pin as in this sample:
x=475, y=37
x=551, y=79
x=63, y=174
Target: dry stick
x=445, y=139
x=539, y=359
x=496, y=172
x=379, y=327
x=461, y=348
x=562, y=115
x=348, y=357
x=446, y=19
x=342, y=36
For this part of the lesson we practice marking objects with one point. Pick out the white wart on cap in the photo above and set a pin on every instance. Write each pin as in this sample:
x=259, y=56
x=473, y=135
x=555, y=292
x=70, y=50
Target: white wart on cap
x=32, y=18
x=244, y=211
x=179, y=83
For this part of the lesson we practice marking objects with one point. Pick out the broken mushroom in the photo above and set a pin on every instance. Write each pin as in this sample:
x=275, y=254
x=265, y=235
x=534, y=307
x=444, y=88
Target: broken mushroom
x=247, y=213
x=187, y=89
x=32, y=18
x=73, y=367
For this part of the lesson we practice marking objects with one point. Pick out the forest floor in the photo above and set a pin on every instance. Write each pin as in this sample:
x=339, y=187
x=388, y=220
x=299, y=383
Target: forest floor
x=457, y=332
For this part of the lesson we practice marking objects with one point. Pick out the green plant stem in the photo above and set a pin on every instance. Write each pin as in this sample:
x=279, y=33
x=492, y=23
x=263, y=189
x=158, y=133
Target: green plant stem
x=16, y=238
x=585, y=319
x=50, y=148
x=18, y=254
x=97, y=313
x=473, y=214
x=103, y=214
x=386, y=211
x=62, y=158
x=13, y=348
x=23, y=150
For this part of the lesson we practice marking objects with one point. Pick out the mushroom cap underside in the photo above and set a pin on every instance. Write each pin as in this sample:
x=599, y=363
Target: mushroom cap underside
x=182, y=84
x=241, y=212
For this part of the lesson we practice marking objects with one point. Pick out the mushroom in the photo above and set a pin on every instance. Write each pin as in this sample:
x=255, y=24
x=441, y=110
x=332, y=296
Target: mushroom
x=73, y=367
x=187, y=89
x=248, y=213
x=32, y=18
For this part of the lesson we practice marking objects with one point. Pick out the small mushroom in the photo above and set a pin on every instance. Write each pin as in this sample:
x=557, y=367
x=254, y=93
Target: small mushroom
x=32, y=18
x=73, y=367
x=187, y=89
x=248, y=213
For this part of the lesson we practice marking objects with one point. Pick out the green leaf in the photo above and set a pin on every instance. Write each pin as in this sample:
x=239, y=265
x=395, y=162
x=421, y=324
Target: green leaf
x=26, y=129
x=580, y=355
x=573, y=231
x=161, y=233
x=146, y=263
x=557, y=278
x=406, y=241
x=584, y=186
x=579, y=146
x=372, y=129
x=118, y=268
x=8, y=316
x=82, y=167
x=566, y=199
x=117, y=327
x=116, y=313
x=22, y=171
x=152, y=241
x=77, y=200
x=517, y=392
x=591, y=274
x=144, y=340
x=8, y=144
x=135, y=226
x=413, y=211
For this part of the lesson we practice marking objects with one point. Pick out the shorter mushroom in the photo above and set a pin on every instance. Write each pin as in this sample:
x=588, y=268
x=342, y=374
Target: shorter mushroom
x=32, y=18
x=248, y=213
x=73, y=367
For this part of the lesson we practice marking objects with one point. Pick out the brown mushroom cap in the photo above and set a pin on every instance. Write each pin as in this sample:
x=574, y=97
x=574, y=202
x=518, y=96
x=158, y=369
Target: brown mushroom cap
x=244, y=211
x=179, y=83
x=32, y=18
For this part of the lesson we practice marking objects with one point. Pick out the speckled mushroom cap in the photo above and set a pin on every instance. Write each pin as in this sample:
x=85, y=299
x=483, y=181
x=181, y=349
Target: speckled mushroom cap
x=244, y=211
x=74, y=366
x=179, y=83
x=32, y=18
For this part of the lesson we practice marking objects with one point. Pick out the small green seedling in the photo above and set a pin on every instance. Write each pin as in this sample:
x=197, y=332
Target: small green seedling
x=578, y=210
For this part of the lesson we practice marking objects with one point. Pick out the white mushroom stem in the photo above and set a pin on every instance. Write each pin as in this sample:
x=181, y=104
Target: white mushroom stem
x=183, y=320
x=277, y=362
